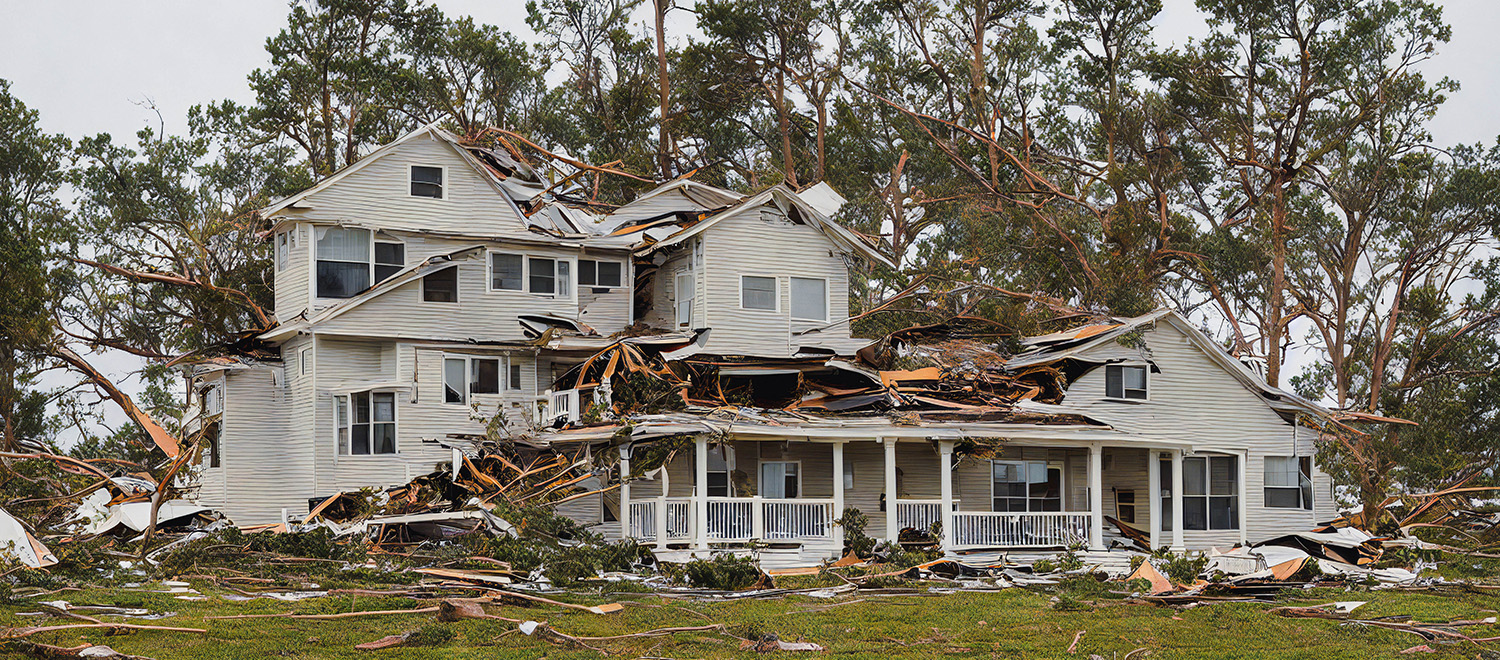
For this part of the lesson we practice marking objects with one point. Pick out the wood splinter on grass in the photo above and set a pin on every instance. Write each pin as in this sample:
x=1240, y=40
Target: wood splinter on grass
x=1073, y=648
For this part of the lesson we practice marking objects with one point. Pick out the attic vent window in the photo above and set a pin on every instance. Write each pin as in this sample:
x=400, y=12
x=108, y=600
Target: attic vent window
x=1125, y=382
x=426, y=181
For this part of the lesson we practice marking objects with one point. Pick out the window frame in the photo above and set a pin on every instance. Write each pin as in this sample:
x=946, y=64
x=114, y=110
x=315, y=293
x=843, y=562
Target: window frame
x=1208, y=494
x=827, y=298
x=457, y=285
x=526, y=257
x=411, y=172
x=1047, y=467
x=578, y=276
x=375, y=241
x=502, y=383
x=1304, y=489
x=304, y=360
x=728, y=453
x=677, y=298
x=395, y=422
x=775, y=294
x=283, y=250
x=374, y=238
x=760, y=474
x=1124, y=391
x=213, y=392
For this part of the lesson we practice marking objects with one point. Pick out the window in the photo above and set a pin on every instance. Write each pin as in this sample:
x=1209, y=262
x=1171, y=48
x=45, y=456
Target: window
x=1125, y=505
x=602, y=274
x=718, y=471
x=549, y=276
x=343, y=262
x=515, y=376
x=370, y=427
x=1210, y=493
x=441, y=286
x=466, y=376
x=426, y=181
x=809, y=299
x=281, y=250
x=780, y=480
x=211, y=444
x=390, y=258
x=305, y=358
x=1288, y=482
x=213, y=400
x=1125, y=382
x=1025, y=486
x=684, y=294
x=758, y=292
x=507, y=272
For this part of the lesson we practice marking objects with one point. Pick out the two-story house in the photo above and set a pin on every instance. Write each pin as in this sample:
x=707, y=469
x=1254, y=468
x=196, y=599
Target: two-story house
x=426, y=288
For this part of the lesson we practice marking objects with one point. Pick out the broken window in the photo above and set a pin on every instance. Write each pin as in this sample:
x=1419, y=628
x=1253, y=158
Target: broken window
x=1288, y=482
x=372, y=424
x=213, y=400
x=454, y=387
x=281, y=250
x=465, y=376
x=1125, y=382
x=684, y=294
x=507, y=272
x=810, y=298
x=602, y=274
x=426, y=181
x=343, y=262
x=211, y=444
x=550, y=276
x=1210, y=493
x=780, y=479
x=441, y=286
x=390, y=258
x=1025, y=486
x=758, y=292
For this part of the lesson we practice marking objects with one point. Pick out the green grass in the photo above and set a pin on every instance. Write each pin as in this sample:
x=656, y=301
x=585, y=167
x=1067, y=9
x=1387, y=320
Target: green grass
x=1014, y=623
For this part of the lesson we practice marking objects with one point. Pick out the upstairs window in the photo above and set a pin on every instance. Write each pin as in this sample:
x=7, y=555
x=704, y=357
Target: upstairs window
x=426, y=181
x=758, y=293
x=366, y=423
x=213, y=400
x=601, y=274
x=343, y=262
x=281, y=250
x=1125, y=382
x=809, y=299
x=507, y=272
x=550, y=276
x=390, y=258
x=441, y=286
x=467, y=376
x=1288, y=482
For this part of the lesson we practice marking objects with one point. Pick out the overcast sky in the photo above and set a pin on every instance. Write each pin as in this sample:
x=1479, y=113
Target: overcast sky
x=96, y=66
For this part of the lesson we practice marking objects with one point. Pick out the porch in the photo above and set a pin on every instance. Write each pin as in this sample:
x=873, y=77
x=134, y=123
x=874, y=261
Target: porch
x=789, y=493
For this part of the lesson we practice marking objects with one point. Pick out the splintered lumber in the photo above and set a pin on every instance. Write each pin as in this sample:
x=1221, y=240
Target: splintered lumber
x=341, y=615
x=17, y=633
x=606, y=608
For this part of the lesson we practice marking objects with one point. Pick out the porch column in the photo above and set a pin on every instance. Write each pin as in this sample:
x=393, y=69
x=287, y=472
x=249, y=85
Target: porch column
x=1096, y=497
x=626, y=531
x=892, y=532
x=700, y=492
x=945, y=454
x=1153, y=497
x=838, y=492
x=1244, y=462
x=1177, y=545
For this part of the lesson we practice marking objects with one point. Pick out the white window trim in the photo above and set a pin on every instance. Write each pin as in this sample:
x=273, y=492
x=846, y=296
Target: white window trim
x=1062, y=483
x=776, y=295
x=283, y=250
x=457, y=288
x=468, y=359
x=304, y=360
x=395, y=421
x=526, y=257
x=1144, y=366
x=827, y=297
x=760, y=488
x=1208, y=489
x=578, y=276
x=692, y=298
x=1297, y=470
x=411, y=171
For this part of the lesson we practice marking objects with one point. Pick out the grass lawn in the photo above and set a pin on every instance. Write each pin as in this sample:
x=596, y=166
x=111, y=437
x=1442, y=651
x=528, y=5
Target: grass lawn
x=1014, y=623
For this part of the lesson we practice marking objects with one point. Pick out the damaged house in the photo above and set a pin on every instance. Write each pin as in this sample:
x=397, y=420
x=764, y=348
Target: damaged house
x=433, y=296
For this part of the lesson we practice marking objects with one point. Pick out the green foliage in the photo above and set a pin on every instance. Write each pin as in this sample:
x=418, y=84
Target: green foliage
x=725, y=572
x=1182, y=568
x=856, y=541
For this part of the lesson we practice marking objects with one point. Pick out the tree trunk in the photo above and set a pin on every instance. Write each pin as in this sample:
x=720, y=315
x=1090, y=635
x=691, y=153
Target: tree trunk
x=664, y=147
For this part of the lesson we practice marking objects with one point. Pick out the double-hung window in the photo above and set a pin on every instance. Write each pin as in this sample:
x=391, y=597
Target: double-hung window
x=780, y=479
x=426, y=181
x=549, y=276
x=507, y=272
x=1125, y=382
x=1288, y=482
x=390, y=258
x=467, y=376
x=684, y=298
x=758, y=293
x=343, y=261
x=1025, y=486
x=1210, y=493
x=600, y=274
x=809, y=299
x=366, y=423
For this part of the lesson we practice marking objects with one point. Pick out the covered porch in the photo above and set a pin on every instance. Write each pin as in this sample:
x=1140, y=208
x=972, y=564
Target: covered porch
x=1022, y=493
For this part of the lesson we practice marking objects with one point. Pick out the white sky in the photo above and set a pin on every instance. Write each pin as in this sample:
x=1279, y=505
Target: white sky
x=91, y=66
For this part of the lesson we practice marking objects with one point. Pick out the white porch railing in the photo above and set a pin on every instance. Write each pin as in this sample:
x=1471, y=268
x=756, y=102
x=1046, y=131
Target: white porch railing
x=919, y=514
x=986, y=529
x=563, y=404
x=732, y=519
x=643, y=520
x=797, y=519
